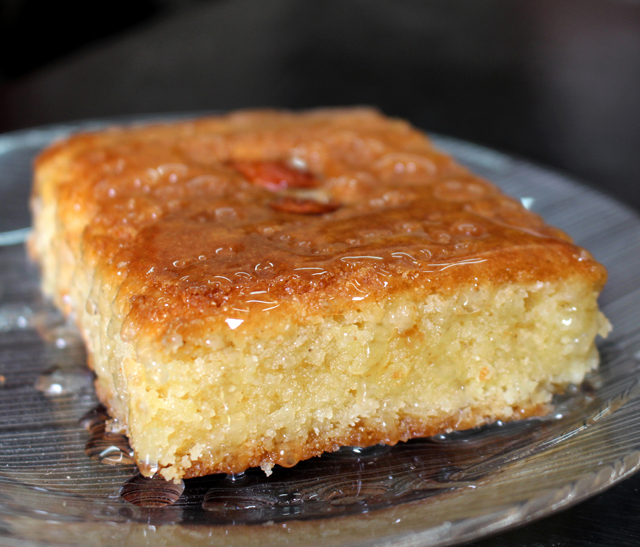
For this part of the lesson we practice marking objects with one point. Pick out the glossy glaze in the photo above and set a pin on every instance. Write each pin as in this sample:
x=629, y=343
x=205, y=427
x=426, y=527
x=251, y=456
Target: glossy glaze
x=254, y=210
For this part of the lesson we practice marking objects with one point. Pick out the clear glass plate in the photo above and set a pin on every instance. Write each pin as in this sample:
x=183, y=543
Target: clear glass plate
x=437, y=491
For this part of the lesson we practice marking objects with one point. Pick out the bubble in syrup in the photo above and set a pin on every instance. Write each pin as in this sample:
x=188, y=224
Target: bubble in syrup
x=226, y=214
x=405, y=168
x=151, y=492
x=459, y=190
x=440, y=236
x=263, y=266
x=209, y=184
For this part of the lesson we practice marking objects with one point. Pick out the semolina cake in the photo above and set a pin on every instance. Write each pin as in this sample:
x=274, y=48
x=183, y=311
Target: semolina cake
x=257, y=288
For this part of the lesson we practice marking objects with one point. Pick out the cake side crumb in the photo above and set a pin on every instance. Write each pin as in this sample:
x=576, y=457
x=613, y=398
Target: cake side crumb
x=385, y=374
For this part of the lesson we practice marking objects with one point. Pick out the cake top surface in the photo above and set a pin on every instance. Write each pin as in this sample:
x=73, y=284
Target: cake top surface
x=223, y=216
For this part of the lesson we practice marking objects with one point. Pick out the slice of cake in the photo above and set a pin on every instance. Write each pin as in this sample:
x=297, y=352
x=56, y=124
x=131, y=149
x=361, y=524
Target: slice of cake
x=258, y=288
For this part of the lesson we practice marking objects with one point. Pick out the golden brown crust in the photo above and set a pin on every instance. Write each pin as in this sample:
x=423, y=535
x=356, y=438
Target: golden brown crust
x=167, y=209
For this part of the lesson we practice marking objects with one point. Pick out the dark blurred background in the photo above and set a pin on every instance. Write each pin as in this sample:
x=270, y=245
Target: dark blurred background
x=556, y=81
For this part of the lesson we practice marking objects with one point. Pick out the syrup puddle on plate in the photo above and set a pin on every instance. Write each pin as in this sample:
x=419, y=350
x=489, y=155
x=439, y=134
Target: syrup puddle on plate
x=351, y=480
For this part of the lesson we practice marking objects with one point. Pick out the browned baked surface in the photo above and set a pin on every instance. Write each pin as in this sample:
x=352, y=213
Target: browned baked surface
x=238, y=224
x=142, y=203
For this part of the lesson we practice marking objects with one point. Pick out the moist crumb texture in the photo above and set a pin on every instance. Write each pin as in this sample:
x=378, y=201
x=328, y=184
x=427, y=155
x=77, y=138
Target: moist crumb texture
x=258, y=288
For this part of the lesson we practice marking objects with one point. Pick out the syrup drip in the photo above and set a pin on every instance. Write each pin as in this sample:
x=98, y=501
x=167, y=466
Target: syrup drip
x=94, y=417
x=104, y=446
x=113, y=449
x=237, y=478
x=153, y=492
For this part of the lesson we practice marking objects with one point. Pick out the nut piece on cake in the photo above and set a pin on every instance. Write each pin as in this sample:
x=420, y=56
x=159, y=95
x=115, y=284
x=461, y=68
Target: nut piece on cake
x=258, y=288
